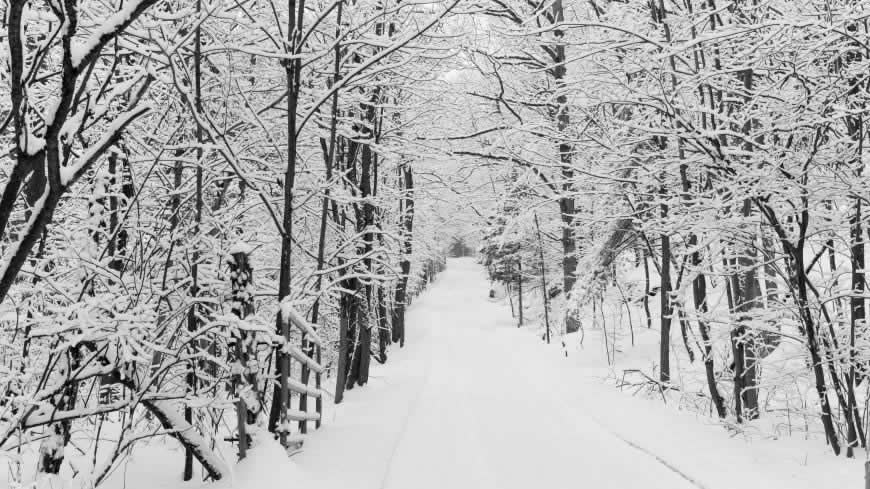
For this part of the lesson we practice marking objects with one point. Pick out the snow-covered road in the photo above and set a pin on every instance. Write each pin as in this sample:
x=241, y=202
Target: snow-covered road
x=468, y=404
x=473, y=402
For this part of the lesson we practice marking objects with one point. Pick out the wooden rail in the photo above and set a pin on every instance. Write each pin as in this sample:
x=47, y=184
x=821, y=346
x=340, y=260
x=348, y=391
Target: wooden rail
x=306, y=356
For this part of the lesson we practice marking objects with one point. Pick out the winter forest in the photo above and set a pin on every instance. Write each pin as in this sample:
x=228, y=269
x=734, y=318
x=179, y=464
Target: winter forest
x=434, y=243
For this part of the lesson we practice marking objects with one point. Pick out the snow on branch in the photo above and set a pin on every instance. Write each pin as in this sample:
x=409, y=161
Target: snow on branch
x=82, y=54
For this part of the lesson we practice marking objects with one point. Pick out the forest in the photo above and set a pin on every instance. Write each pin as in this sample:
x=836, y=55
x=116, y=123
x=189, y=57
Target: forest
x=215, y=214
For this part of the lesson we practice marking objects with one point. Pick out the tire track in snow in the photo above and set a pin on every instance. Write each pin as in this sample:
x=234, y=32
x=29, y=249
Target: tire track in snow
x=412, y=409
x=652, y=454
x=658, y=458
x=559, y=401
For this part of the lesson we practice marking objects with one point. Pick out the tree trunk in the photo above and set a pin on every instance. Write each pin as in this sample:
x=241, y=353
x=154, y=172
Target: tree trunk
x=344, y=346
x=543, y=280
x=858, y=312
x=699, y=296
x=407, y=225
x=281, y=395
x=800, y=280
x=562, y=116
x=383, y=326
x=665, y=310
x=192, y=313
x=520, y=291
x=747, y=292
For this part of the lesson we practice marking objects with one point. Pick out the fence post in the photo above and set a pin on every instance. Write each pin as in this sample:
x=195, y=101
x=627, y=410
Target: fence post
x=241, y=348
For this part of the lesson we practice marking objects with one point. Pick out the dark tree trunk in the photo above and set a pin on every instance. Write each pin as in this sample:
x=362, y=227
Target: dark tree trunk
x=699, y=296
x=383, y=326
x=799, y=282
x=406, y=178
x=330, y=156
x=344, y=345
x=520, y=291
x=192, y=313
x=355, y=336
x=562, y=117
x=281, y=396
x=747, y=294
x=544, y=288
x=646, y=289
x=858, y=315
x=665, y=311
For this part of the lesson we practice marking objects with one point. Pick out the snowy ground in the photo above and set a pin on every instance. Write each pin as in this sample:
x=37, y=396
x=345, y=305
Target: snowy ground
x=474, y=402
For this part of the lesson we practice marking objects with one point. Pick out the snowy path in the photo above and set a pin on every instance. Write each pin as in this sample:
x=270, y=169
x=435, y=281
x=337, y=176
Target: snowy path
x=472, y=402
x=467, y=404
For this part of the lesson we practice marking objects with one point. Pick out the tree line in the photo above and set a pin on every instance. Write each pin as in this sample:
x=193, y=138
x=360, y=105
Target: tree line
x=206, y=208
x=705, y=159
